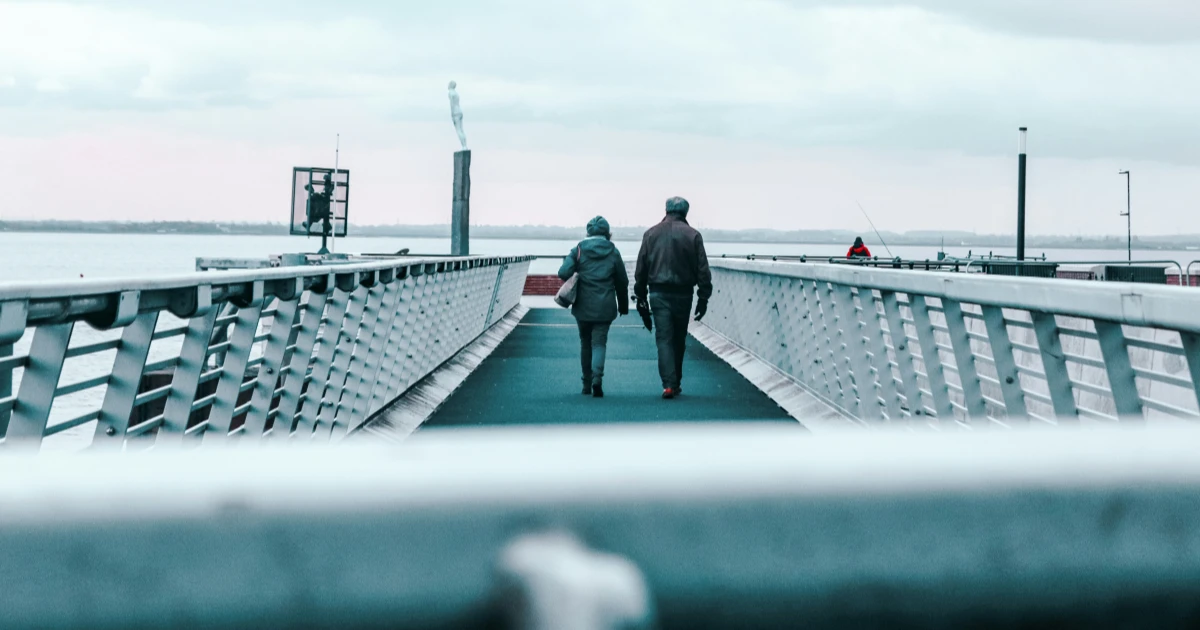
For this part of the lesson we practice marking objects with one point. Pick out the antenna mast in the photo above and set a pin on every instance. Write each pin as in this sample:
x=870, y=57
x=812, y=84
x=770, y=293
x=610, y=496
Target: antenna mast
x=337, y=150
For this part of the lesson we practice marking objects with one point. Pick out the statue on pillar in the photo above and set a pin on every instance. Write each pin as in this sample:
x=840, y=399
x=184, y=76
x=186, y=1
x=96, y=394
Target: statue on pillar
x=456, y=115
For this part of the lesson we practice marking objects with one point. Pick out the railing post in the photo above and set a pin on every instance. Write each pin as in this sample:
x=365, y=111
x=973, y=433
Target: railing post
x=395, y=348
x=964, y=360
x=363, y=357
x=904, y=358
x=427, y=320
x=500, y=269
x=878, y=349
x=855, y=346
x=1191, y=350
x=931, y=358
x=1054, y=364
x=412, y=323
x=322, y=364
x=271, y=370
x=788, y=313
x=380, y=340
x=830, y=356
x=813, y=355
x=1006, y=363
x=348, y=344
x=185, y=378
x=233, y=368
x=38, y=383
x=123, y=383
x=1121, y=381
x=296, y=372
x=435, y=351
x=6, y=386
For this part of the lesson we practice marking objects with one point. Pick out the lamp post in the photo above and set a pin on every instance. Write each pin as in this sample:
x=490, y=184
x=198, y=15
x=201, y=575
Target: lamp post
x=1021, y=193
x=1128, y=220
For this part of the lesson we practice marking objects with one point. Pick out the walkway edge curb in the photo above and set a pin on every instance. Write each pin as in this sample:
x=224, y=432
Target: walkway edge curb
x=812, y=412
x=407, y=413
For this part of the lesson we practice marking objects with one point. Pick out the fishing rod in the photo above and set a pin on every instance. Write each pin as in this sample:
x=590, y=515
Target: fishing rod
x=880, y=236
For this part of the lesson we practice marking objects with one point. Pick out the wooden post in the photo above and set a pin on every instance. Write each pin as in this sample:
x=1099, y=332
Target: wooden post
x=460, y=221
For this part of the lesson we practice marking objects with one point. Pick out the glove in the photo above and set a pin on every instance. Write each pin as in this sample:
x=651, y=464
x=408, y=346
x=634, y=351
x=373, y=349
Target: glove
x=701, y=309
x=643, y=309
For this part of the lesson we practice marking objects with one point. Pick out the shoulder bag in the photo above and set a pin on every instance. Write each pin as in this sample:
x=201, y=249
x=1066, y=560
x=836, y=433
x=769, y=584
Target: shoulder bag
x=566, y=293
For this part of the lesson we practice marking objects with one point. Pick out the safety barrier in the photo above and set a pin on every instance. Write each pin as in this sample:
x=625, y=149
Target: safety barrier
x=307, y=352
x=598, y=528
x=889, y=345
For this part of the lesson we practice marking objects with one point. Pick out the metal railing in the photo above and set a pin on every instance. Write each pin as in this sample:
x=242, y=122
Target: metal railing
x=309, y=352
x=946, y=264
x=717, y=526
x=884, y=345
x=1183, y=272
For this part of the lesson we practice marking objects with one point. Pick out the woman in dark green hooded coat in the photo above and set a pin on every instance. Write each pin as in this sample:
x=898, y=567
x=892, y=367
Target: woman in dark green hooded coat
x=601, y=293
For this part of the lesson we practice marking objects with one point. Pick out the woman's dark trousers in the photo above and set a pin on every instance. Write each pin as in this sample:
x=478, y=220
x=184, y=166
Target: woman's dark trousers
x=593, y=345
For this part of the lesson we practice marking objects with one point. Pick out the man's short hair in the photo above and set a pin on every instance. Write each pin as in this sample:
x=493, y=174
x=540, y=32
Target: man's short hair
x=677, y=205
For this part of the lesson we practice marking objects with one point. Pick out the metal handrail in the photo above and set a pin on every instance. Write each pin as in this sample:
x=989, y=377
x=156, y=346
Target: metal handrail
x=1188, y=275
x=1182, y=273
x=417, y=534
x=875, y=261
x=319, y=348
x=883, y=344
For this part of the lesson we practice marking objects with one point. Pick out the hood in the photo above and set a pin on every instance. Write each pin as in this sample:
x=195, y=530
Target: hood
x=857, y=242
x=598, y=227
x=595, y=247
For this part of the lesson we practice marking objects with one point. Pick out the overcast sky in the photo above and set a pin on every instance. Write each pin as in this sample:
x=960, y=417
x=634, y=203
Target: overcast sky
x=763, y=113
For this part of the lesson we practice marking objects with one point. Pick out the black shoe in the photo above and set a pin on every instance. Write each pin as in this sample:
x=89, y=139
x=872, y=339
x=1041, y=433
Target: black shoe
x=597, y=391
x=587, y=389
x=668, y=393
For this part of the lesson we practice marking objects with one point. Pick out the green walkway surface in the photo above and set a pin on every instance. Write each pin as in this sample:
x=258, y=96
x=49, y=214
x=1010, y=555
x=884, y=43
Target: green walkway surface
x=533, y=377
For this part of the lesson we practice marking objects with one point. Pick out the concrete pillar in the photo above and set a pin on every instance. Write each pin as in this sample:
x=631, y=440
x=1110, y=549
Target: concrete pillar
x=460, y=220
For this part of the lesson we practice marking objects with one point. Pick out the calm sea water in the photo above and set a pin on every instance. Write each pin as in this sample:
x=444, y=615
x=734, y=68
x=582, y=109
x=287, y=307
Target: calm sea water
x=47, y=256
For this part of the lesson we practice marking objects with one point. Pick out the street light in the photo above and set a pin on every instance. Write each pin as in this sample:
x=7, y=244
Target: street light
x=1128, y=220
x=1021, y=192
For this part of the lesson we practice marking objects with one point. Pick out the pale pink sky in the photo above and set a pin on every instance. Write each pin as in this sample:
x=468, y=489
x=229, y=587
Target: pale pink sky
x=763, y=113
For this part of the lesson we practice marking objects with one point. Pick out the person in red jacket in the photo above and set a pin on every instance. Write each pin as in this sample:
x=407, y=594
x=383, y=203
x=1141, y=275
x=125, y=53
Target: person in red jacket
x=858, y=250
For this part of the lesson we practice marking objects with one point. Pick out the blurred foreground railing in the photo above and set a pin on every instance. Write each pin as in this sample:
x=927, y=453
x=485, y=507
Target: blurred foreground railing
x=616, y=527
x=308, y=351
x=890, y=345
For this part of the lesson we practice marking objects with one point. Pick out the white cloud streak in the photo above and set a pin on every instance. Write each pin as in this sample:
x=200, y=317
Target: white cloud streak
x=1096, y=81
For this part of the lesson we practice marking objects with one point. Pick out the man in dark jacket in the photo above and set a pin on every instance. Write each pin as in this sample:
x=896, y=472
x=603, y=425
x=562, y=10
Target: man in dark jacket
x=601, y=293
x=671, y=265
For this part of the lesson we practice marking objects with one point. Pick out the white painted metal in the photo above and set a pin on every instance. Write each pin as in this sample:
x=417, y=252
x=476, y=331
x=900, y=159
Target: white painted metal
x=1043, y=526
x=303, y=344
x=987, y=348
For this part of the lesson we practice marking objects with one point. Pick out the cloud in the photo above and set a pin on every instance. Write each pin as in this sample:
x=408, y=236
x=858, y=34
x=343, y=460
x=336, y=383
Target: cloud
x=878, y=82
x=1137, y=21
x=927, y=73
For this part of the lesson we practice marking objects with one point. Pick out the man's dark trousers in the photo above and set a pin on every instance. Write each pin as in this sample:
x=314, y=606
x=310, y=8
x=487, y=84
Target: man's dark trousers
x=672, y=312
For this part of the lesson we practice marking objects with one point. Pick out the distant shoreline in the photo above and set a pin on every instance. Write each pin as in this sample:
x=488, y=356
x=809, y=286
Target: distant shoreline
x=556, y=233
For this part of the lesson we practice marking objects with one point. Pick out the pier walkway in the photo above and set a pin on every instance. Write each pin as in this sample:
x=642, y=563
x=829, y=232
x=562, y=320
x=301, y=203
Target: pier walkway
x=533, y=378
